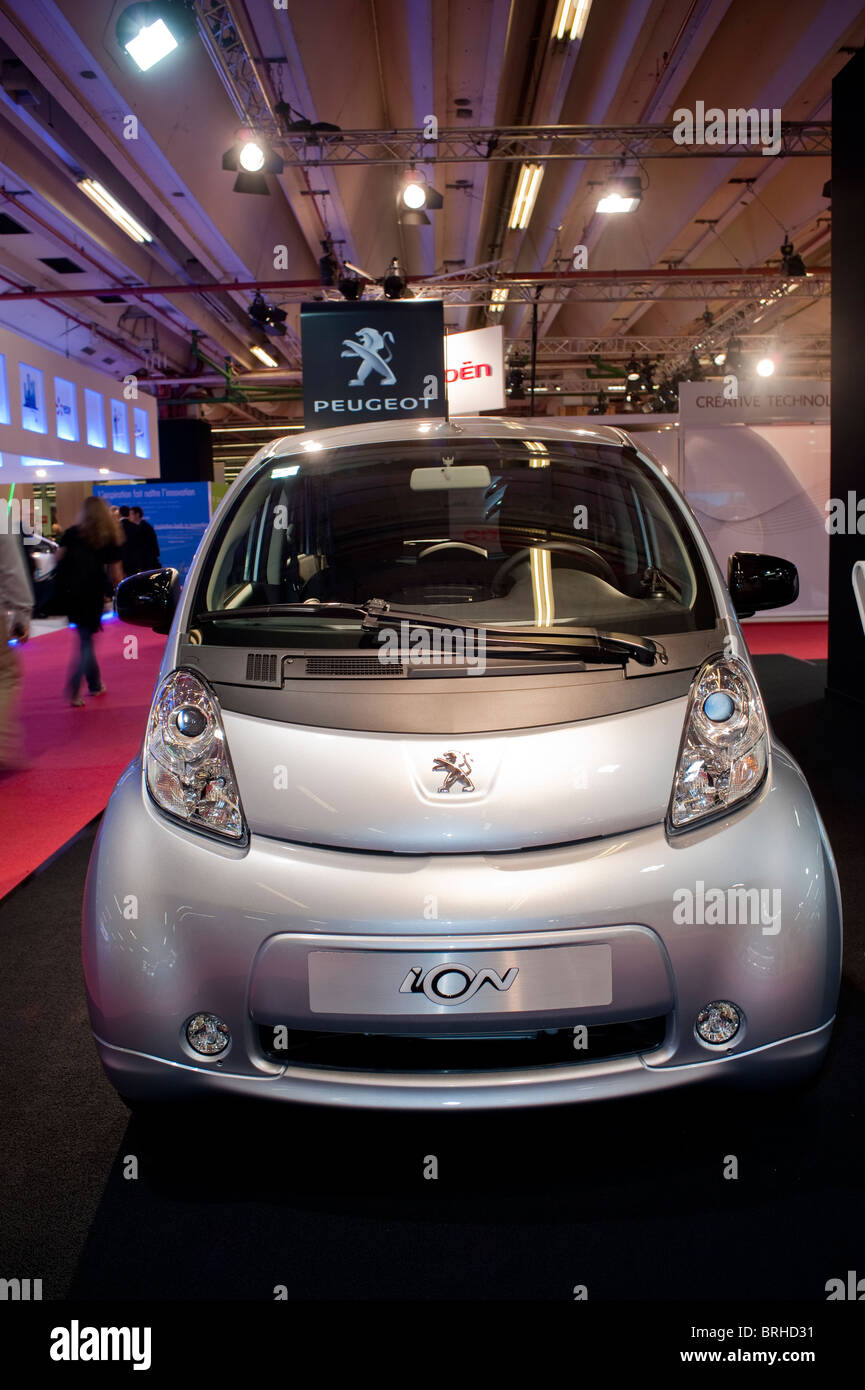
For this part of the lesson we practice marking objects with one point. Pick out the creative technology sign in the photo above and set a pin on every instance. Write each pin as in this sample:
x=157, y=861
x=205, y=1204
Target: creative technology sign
x=475, y=370
x=363, y=362
x=754, y=403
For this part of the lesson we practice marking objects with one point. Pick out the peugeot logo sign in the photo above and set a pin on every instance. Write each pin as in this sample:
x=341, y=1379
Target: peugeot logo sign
x=454, y=984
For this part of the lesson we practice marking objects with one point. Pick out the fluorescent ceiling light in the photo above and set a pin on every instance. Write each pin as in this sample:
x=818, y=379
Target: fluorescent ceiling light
x=264, y=356
x=571, y=15
x=620, y=195
x=285, y=472
x=524, y=199
x=110, y=206
x=151, y=43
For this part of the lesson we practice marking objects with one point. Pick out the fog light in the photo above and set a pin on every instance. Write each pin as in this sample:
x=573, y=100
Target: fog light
x=719, y=1022
x=207, y=1034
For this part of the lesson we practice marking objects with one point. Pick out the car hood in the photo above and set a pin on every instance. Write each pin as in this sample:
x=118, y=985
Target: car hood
x=456, y=793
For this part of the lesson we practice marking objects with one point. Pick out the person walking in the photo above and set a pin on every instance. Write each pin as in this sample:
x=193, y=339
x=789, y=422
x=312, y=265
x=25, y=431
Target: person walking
x=88, y=548
x=129, y=543
x=148, y=542
x=16, y=607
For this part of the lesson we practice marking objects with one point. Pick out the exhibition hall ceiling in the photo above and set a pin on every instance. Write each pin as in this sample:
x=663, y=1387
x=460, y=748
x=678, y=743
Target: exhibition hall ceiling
x=74, y=106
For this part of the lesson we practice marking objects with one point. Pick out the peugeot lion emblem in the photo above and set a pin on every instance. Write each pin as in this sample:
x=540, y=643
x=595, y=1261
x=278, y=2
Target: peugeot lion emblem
x=373, y=351
x=456, y=768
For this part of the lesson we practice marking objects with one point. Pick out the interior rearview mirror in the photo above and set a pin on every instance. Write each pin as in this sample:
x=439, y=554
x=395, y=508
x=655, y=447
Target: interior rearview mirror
x=474, y=475
x=760, y=581
x=148, y=599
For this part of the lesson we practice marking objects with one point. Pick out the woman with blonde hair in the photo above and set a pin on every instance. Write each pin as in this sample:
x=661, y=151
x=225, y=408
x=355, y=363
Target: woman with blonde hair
x=89, y=554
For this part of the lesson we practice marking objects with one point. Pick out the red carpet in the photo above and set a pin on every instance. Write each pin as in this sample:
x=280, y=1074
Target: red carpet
x=807, y=641
x=76, y=755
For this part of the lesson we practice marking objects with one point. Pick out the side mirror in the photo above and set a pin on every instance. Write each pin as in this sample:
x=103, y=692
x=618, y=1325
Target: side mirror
x=760, y=581
x=148, y=599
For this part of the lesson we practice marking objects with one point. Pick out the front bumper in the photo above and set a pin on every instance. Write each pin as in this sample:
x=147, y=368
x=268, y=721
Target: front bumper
x=175, y=924
x=137, y=1076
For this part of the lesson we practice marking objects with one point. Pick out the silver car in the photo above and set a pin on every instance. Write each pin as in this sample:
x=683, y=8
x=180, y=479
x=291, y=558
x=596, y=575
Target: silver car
x=458, y=790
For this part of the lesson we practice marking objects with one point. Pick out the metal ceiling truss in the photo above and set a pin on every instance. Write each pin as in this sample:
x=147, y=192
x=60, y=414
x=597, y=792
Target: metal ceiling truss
x=533, y=144
x=235, y=67
x=552, y=351
x=765, y=287
x=584, y=287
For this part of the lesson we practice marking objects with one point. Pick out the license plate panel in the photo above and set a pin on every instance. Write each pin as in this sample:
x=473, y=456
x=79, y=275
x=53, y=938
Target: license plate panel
x=417, y=983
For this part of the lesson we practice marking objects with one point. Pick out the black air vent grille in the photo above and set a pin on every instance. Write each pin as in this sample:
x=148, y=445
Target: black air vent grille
x=261, y=668
x=353, y=668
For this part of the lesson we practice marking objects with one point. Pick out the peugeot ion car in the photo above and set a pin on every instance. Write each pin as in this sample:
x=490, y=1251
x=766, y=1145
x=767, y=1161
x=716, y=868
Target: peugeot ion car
x=458, y=789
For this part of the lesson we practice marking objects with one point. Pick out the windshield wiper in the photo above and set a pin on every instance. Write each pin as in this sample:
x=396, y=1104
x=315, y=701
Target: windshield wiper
x=277, y=610
x=585, y=641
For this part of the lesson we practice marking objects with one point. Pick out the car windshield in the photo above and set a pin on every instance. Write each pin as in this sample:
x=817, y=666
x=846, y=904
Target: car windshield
x=531, y=534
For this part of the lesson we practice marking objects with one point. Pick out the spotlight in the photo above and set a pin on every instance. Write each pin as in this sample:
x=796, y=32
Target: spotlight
x=791, y=262
x=148, y=32
x=633, y=370
x=394, y=284
x=275, y=325
x=350, y=287
x=267, y=316
x=251, y=157
x=600, y=406
x=765, y=367
x=695, y=371
x=328, y=265
x=415, y=195
x=514, y=380
x=734, y=355
x=620, y=195
x=258, y=310
x=414, y=192
x=719, y=359
x=293, y=120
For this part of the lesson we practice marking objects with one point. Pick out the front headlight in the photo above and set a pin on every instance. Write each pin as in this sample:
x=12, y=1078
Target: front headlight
x=186, y=760
x=724, y=749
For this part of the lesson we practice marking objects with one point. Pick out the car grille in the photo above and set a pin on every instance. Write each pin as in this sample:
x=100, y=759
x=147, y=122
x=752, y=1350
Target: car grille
x=378, y=1052
x=354, y=668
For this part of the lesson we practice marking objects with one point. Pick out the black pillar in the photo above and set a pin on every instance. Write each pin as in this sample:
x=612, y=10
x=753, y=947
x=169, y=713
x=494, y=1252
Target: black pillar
x=846, y=674
x=185, y=451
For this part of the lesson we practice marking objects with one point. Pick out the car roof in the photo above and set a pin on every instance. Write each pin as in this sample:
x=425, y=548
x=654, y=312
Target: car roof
x=464, y=426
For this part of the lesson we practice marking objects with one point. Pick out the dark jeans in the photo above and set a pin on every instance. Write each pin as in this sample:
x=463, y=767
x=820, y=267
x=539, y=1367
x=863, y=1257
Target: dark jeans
x=86, y=667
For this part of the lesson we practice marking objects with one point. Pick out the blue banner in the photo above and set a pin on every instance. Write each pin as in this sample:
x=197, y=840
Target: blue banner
x=178, y=512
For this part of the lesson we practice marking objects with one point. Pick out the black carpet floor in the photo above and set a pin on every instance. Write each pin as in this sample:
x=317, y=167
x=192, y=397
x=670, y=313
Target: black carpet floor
x=626, y=1198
